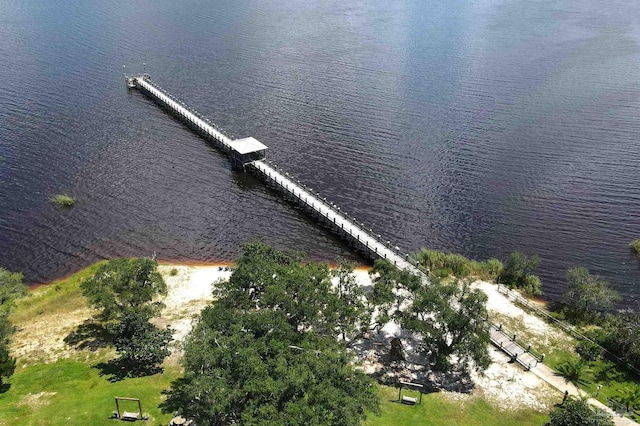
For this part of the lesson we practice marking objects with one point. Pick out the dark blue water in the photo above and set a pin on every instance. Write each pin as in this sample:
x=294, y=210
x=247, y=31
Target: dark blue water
x=479, y=127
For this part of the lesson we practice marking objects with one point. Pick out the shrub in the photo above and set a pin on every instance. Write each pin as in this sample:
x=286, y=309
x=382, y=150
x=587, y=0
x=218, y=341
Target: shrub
x=559, y=315
x=491, y=268
x=445, y=264
x=579, y=413
x=635, y=246
x=63, y=200
x=532, y=286
x=460, y=265
x=517, y=273
x=442, y=272
x=173, y=272
x=589, y=351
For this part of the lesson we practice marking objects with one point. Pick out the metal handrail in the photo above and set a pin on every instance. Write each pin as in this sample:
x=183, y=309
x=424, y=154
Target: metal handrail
x=564, y=325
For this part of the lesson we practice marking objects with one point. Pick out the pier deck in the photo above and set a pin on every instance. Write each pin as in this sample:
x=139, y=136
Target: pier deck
x=334, y=216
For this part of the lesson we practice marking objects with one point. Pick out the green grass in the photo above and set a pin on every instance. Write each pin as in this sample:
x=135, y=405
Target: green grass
x=62, y=296
x=74, y=390
x=75, y=393
x=602, y=372
x=437, y=410
x=63, y=200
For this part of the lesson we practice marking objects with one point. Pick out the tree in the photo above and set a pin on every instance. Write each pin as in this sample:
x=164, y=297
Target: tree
x=517, y=273
x=579, y=413
x=11, y=288
x=7, y=362
x=265, y=278
x=141, y=345
x=123, y=290
x=451, y=320
x=586, y=295
x=266, y=352
x=122, y=285
x=620, y=334
x=391, y=286
x=353, y=313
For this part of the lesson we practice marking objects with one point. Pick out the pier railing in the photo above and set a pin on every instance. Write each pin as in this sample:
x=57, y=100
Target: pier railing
x=145, y=82
x=336, y=217
x=337, y=211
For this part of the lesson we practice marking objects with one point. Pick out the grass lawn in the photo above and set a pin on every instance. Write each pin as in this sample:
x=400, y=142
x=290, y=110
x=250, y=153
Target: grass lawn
x=437, y=410
x=59, y=297
x=611, y=376
x=73, y=392
x=70, y=390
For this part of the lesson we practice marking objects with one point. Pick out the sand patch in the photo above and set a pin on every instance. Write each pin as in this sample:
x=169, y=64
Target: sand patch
x=503, y=384
x=188, y=292
x=508, y=387
x=530, y=328
x=36, y=400
x=42, y=338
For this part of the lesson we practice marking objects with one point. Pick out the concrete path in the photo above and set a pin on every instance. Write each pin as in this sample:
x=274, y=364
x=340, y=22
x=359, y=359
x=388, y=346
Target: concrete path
x=555, y=380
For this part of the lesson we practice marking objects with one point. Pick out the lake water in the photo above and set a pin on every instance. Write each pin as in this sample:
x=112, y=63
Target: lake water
x=478, y=127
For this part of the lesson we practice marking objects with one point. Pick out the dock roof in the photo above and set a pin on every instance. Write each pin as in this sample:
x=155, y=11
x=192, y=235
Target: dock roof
x=247, y=145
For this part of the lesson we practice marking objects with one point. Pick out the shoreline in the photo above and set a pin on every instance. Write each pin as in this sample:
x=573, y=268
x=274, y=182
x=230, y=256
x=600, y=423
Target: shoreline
x=172, y=262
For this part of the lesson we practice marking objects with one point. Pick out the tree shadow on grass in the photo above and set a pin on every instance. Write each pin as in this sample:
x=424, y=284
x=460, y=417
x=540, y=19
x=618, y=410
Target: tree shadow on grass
x=89, y=335
x=609, y=373
x=4, y=387
x=118, y=369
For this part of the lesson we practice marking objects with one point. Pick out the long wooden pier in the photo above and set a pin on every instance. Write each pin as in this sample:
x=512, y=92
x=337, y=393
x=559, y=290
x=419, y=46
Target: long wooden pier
x=326, y=212
x=248, y=153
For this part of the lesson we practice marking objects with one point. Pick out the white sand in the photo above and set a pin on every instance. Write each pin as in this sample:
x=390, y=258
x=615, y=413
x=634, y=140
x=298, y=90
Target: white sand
x=539, y=333
x=188, y=292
